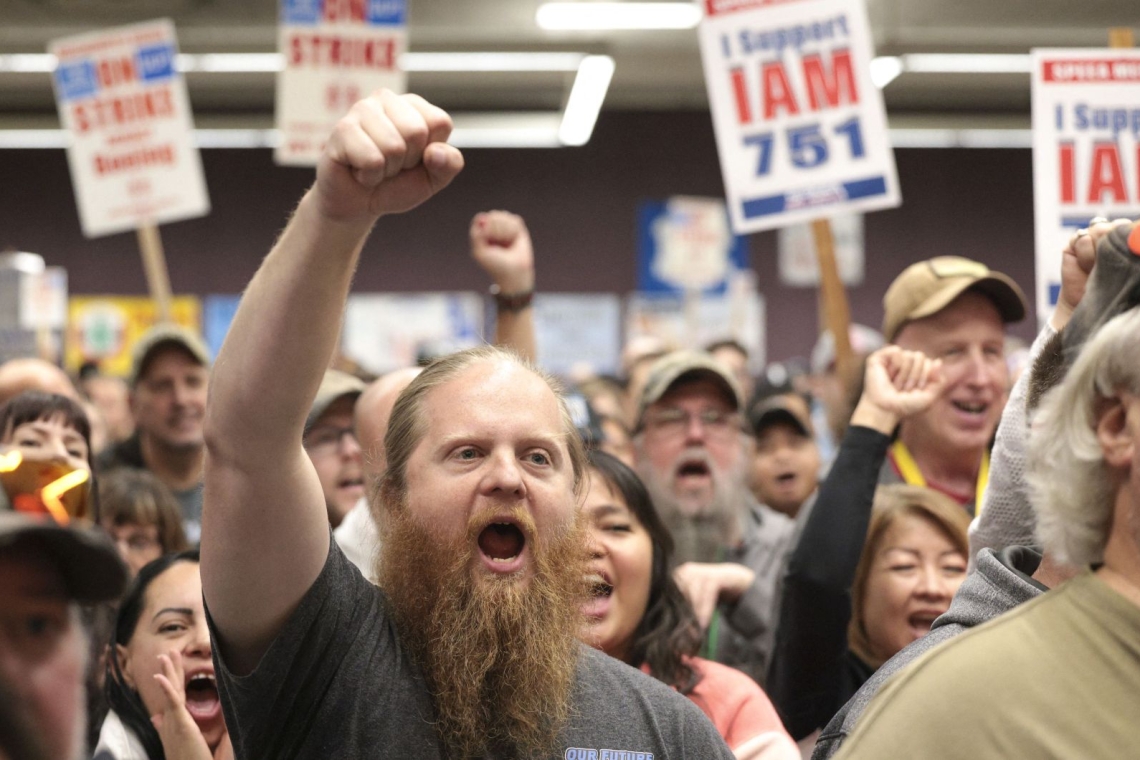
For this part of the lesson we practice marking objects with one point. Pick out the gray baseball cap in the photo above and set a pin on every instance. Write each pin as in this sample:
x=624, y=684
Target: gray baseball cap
x=161, y=336
x=684, y=366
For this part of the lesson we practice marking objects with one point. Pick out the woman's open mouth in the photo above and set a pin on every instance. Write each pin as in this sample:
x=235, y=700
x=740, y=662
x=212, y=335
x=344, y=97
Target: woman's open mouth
x=202, y=697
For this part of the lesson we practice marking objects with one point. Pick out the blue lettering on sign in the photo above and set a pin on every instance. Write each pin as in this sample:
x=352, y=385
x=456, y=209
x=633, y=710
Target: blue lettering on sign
x=76, y=80
x=775, y=204
x=155, y=62
x=387, y=12
x=301, y=12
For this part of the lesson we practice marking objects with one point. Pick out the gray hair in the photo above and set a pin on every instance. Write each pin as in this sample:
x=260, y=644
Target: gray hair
x=1071, y=485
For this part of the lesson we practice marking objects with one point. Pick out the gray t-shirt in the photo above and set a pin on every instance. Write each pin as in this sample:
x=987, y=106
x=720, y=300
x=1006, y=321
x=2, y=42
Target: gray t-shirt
x=337, y=683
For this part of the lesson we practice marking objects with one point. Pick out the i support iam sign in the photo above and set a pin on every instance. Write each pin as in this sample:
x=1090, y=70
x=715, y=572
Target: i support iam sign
x=132, y=154
x=1086, y=149
x=800, y=128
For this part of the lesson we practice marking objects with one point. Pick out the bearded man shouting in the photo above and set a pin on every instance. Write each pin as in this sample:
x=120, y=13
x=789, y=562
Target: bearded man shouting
x=468, y=648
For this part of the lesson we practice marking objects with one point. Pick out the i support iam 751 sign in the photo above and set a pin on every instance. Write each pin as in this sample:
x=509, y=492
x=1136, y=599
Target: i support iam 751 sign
x=1086, y=149
x=800, y=128
x=132, y=156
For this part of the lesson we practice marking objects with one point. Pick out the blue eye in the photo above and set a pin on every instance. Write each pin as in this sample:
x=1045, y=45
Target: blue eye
x=537, y=457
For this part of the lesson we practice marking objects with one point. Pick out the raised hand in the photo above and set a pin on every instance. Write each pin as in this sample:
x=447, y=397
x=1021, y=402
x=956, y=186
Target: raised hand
x=180, y=735
x=896, y=385
x=1077, y=260
x=705, y=584
x=387, y=155
x=500, y=244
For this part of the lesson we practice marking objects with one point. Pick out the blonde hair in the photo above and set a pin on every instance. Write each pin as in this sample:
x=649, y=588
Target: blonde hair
x=892, y=503
x=1071, y=485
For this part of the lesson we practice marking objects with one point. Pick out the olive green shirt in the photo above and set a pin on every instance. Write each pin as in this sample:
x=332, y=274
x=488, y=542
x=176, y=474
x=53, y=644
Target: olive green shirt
x=1057, y=677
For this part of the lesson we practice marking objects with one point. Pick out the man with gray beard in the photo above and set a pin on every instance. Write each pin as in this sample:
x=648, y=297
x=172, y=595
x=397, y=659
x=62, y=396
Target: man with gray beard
x=691, y=452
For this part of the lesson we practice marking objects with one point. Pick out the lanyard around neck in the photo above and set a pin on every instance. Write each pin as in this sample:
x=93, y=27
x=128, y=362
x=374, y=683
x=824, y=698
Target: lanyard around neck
x=912, y=475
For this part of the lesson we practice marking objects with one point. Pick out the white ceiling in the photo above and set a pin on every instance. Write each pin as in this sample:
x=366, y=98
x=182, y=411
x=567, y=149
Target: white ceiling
x=654, y=70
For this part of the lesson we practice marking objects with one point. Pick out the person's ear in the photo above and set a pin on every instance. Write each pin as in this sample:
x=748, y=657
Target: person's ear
x=124, y=657
x=1114, y=433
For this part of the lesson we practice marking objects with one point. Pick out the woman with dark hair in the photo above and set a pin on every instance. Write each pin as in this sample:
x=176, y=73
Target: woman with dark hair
x=639, y=615
x=160, y=671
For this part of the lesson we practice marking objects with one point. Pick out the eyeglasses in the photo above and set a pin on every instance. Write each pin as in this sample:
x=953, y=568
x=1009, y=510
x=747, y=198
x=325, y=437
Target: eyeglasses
x=325, y=438
x=673, y=421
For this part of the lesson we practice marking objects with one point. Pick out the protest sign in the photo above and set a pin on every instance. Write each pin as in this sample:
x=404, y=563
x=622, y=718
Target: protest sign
x=800, y=129
x=132, y=155
x=1086, y=149
x=336, y=52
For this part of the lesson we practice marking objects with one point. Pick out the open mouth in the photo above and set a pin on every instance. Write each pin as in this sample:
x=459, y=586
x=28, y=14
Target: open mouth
x=694, y=469
x=786, y=478
x=600, y=588
x=350, y=483
x=202, y=696
x=969, y=407
x=501, y=542
x=599, y=585
x=920, y=622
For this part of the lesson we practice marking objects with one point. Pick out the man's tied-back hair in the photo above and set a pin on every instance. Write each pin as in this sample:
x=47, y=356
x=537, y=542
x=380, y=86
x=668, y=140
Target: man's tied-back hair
x=1071, y=485
x=407, y=424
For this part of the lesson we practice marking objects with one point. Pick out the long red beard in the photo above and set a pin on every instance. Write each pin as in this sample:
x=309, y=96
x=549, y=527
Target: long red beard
x=498, y=655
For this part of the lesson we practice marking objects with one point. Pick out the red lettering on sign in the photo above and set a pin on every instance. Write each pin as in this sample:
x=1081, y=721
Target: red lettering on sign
x=1107, y=174
x=777, y=90
x=1068, y=181
x=344, y=10
x=740, y=94
x=114, y=71
x=315, y=50
x=836, y=90
x=99, y=113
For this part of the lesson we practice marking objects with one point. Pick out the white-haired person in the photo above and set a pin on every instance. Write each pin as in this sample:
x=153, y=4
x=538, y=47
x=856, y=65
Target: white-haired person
x=1069, y=661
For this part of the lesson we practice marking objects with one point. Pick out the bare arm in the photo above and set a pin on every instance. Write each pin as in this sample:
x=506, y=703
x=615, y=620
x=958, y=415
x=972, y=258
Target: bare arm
x=265, y=532
x=500, y=243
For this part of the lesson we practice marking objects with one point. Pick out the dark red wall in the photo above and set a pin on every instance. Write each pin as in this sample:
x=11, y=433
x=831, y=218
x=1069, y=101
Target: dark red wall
x=580, y=205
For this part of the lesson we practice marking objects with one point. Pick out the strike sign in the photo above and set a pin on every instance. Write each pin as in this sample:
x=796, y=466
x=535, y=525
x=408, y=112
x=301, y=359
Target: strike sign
x=800, y=128
x=1086, y=149
x=336, y=52
x=132, y=154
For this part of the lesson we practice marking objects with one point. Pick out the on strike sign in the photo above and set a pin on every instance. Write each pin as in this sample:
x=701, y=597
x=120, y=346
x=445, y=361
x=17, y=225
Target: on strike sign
x=336, y=52
x=132, y=156
x=800, y=128
x=1086, y=149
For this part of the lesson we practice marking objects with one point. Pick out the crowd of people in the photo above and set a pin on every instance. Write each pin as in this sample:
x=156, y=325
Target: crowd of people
x=271, y=555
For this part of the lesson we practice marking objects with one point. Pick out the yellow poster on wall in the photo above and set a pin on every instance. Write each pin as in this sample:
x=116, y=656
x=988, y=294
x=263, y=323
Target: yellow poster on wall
x=103, y=329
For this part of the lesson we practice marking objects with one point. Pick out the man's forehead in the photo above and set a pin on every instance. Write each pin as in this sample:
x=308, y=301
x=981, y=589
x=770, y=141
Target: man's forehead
x=491, y=389
x=971, y=308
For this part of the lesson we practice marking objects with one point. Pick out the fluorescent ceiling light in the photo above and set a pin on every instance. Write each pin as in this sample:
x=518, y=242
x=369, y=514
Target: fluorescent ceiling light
x=534, y=136
x=271, y=63
x=586, y=98
x=31, y=63
x=491, y=61
x=884, y=70
x=966, y=63
x=602, y=15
